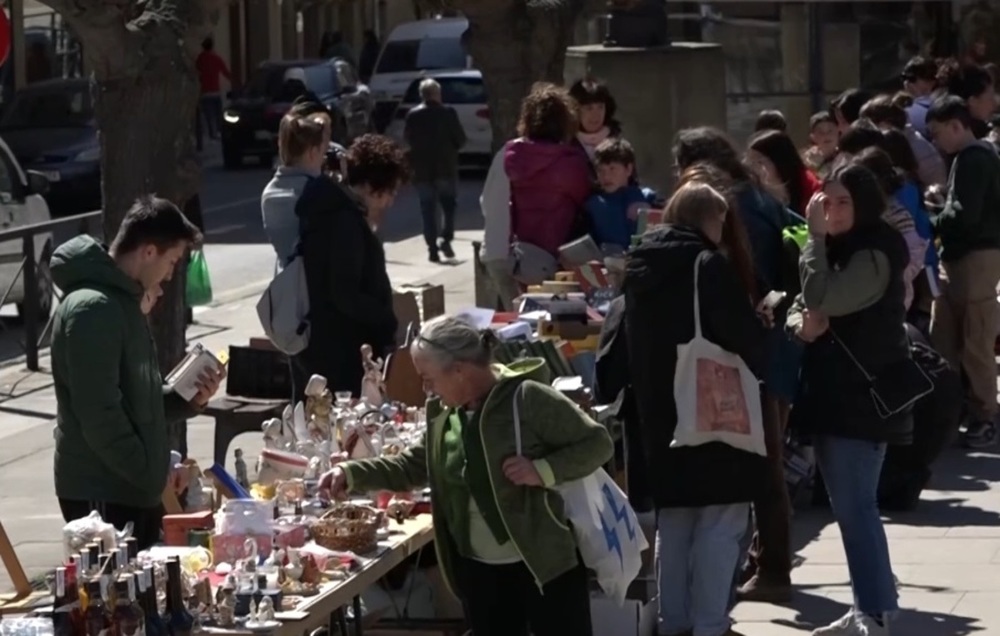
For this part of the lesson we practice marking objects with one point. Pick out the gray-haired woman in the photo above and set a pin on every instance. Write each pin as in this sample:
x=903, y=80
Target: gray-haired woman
x=503, y=543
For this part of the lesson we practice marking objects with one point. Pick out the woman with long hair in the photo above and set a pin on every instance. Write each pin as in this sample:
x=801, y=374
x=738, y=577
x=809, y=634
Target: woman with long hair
x=773, y=156
x=596, y=108
x=850, y=317
x=974, y=84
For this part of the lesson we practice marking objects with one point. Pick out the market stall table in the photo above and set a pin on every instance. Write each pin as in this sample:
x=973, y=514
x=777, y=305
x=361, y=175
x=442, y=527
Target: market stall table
x=322, y=610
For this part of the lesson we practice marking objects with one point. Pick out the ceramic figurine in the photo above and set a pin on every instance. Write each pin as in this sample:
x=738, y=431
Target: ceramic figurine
x=252, y=558
x=265, y=610
x=227, y=606
x=300, y=423
x=311, y=574
x=287, y=426
x=315, y=386
x=253, y=616
x=372, y=384
x=241, y=469
x=319, y=415
x=274, y=435
x=293, y=569
x=198, y=494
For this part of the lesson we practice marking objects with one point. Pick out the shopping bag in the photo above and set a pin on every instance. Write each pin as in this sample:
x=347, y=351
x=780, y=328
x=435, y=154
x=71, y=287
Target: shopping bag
x=607, y=531
x=199, y=285
x=717, y=396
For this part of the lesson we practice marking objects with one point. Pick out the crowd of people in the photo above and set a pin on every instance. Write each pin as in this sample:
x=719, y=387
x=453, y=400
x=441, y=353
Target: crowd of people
x=823, y=266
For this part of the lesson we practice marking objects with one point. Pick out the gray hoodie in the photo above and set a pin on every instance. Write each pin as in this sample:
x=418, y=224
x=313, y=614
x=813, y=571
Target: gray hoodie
x=277, y=206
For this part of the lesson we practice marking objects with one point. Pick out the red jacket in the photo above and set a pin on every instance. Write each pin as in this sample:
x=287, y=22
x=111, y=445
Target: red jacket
x=549, y=183
x=210, y=67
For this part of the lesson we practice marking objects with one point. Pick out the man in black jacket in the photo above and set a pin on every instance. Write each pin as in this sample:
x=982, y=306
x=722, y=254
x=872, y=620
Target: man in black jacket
x=435, y=136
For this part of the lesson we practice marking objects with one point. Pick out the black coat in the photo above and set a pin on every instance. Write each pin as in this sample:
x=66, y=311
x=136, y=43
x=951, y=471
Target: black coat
x=659, y=316
x=350, y=297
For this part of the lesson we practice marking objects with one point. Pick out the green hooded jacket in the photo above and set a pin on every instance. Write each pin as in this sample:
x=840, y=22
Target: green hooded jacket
x=553, y=429
x=111, y=432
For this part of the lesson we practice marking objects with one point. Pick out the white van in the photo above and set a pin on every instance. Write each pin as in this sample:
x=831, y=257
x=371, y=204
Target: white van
x=411, y=48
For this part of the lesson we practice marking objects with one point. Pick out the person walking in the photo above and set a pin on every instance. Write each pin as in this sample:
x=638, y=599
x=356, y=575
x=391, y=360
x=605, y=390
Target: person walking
x=112, y=453
x=211, y=68
x=435, y=136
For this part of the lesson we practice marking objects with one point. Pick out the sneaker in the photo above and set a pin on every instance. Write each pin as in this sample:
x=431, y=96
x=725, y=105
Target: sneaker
x=433, y=256
x=982, y=434
x=843, y=626
x=446, y=249
x=869, y=625
x=760, y=590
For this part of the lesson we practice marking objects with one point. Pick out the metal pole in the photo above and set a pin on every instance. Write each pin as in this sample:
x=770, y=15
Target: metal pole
x=30, y=304
x=817, y=82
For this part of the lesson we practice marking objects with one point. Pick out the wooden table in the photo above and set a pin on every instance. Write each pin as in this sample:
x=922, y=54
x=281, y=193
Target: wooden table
x=326, y=608
x=235, y=415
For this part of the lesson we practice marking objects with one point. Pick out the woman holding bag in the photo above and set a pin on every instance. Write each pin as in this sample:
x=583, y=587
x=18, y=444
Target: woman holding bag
x=851, y=316
x=701, y=493
x=500, y=532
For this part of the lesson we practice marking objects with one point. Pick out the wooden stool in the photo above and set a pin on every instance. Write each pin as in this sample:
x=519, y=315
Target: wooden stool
x=235, y=415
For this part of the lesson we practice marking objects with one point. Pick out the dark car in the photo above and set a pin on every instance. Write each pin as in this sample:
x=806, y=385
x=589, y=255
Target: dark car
x=250, y=123
x=50, y=128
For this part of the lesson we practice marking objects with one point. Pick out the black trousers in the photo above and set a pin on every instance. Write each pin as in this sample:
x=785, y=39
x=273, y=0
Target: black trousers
x=503, y=600
x=146, y=522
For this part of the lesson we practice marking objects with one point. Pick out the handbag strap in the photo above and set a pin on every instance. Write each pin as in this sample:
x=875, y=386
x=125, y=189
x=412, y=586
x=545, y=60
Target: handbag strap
x=697, y=303
x=517, y=418
x=850, y=355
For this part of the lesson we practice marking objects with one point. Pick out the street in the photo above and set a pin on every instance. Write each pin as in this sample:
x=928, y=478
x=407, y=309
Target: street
x=239, y=257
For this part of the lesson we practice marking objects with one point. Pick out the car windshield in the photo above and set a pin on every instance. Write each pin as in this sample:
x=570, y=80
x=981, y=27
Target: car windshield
x=67, y=106
x=407, y=56
x=267, y=81
x=454, y=91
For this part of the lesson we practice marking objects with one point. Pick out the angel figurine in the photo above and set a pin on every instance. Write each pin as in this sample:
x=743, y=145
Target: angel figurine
x=318, y=408
x=372, y=384
x=265, y=610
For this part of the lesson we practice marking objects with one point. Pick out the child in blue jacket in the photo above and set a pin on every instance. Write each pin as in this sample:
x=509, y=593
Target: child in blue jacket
x=614, y=208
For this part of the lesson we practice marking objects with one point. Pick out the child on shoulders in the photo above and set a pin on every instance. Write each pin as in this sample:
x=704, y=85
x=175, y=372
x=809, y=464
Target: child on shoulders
x=614, y=208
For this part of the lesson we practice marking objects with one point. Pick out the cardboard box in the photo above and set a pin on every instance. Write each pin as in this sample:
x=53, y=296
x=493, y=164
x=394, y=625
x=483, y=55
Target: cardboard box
x=636, y=617
x=416, y=304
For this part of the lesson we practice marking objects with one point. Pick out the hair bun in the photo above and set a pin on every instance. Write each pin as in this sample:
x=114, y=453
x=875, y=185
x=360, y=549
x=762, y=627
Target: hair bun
x=488, y=338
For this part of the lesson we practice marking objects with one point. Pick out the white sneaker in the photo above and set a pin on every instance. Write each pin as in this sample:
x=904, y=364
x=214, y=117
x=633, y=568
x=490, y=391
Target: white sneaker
x=846, y=625
x=868, y=626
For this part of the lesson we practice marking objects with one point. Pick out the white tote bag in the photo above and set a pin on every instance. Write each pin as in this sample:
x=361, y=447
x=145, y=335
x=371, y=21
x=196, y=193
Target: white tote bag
x=717, y=396
x=608, y=534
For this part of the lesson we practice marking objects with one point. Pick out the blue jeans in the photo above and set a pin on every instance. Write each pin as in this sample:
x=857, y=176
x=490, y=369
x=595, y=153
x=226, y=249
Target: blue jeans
x=851, y=470
x=697, y=550
x=431, y=193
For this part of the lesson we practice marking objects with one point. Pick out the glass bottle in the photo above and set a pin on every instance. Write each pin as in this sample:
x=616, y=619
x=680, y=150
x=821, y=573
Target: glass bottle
x=178, y=619
x=150, y=605
x=127, y=619
x=132, y=548
x=124, y=562
x=66, y=618
x=96, y=621
x=93, y=557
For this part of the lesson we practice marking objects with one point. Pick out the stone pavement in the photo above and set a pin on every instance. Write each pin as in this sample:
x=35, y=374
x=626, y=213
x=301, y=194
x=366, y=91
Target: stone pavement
x=946, y=553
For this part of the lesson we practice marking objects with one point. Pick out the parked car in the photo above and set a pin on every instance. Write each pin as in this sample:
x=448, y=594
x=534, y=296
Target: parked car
x=250, y=122
x=22, y=203
x=413, y=48
x=50, y=128
x=463, y=91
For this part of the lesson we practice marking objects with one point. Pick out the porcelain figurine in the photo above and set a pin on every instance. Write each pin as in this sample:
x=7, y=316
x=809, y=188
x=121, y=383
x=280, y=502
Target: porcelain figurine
x=319, y=415
x=300, y=423
x=227, y=606
x=293, y=569
x=241, y=469
x=265, y=610
x=311, y=574
x=287, y=426
x=198, y=494
x=252, y=557
x=315, y=386
x=372, y=383
x=274, y=434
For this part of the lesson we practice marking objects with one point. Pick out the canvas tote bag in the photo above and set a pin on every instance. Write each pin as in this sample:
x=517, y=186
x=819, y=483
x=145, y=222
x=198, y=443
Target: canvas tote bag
x=717, y=396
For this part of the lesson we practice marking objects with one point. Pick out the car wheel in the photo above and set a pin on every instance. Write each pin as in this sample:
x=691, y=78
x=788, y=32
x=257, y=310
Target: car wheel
x=45, y=289
x=231, y=160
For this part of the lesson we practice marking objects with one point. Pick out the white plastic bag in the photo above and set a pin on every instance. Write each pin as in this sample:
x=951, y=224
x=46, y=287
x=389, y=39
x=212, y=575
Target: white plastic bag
x=717, y=396
x=607, y=531
x=79, y=532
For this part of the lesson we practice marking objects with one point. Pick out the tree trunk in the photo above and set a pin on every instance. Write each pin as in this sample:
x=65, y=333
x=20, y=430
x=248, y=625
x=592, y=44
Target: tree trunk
x=515, y=44
x=146, y=148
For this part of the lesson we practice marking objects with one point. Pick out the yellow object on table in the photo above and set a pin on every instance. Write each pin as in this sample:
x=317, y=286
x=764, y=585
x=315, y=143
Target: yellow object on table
x=263, y=492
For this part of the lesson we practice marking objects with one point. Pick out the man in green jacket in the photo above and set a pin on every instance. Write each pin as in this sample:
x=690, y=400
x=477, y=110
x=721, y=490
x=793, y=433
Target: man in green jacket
x=965, y=316
x=112, y=453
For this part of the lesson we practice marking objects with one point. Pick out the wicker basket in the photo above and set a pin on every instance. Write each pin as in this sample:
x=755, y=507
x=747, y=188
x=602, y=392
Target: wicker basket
x=348, y=528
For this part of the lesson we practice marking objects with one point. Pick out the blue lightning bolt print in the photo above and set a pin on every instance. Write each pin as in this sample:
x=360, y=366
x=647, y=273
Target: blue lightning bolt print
x=620, y=513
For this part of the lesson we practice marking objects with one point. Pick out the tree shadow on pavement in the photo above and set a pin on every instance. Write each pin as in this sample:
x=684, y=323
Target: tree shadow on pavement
x=814, y=610
x=970, y=472
x=945, y=513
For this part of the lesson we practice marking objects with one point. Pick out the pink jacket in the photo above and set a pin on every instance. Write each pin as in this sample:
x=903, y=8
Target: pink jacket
x=549, y=184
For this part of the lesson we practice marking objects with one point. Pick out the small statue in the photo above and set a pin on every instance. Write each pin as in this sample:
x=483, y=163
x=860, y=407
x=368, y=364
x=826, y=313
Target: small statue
x=226, y=605
x=311, y=574
x=251, y=560
x=300, y=423
x=265, y=611
x=274, y=434
x=293, y=569
x=287, y=425
x=253, y=616
x=372, y=383
x=319, y=415
x=198, y=497
x=241, y=469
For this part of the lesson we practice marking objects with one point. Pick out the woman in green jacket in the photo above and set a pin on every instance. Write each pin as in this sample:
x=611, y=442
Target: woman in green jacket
x=503, y=543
